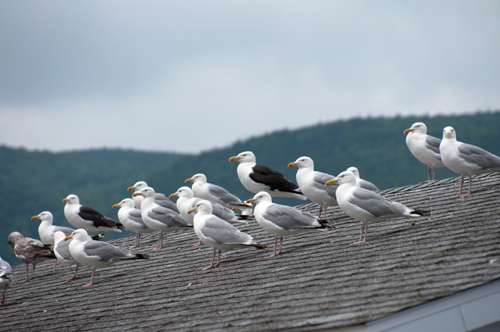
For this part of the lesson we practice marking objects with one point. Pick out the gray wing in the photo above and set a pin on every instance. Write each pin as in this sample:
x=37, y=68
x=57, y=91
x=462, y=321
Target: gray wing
x=168, y=217
x=5, y=268
x=376, y=204
x=289, y=218
x=367, y=185
x=135, y=215
x=225, y=195
x=223, y=212
x=432, y=143
x=106, y=251
x=319, y=182
x=222, y=232
x=62, y=249
x=66, y=230
x=475, y=155
x=164, y=201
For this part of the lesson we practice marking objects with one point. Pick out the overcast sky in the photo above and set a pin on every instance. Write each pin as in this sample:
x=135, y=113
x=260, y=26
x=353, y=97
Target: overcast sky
x=192, y=75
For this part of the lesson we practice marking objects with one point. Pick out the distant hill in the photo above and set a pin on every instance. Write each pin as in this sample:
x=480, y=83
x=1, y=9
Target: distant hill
x=34, y=181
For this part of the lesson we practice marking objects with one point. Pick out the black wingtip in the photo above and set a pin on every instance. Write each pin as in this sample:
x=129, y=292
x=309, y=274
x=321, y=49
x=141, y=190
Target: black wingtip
x=259, y=246
x=422, y=213
x=141, y=256
x=325, y=224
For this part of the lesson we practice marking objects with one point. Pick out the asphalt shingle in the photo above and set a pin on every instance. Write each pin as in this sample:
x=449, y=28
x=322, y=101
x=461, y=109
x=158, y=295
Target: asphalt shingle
x=319, y=281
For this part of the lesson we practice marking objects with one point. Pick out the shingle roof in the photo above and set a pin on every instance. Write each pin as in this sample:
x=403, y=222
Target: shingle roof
x=318, y=283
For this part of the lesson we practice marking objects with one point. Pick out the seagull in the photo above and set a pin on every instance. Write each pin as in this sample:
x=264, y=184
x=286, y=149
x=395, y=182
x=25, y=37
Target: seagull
x=217, y=233
x=6, y=277
x=256, y=178
x=131, y=218
x=96, y=253
x=157, y=217
x=46, y=230
x=282, y=220
x=466, y=159
x=217, y=194
x=187, y=201
x=425, y=148
x=360, y=182
x=80, y=216
x=61, y=250
x=367, y=206
x=160, y=198
x=30, y=251
x=312, y=183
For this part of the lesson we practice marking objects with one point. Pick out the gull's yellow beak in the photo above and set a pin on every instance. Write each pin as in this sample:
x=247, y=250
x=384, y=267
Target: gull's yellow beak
x=115, y=206
x=189, y=180
x=292, y=164
x=251, y=200
x=409, y=130
x=136, y=194
x=131, y=188
x=35, y=217
x=173, y=195
x=330, y=182
x=234, y=158
x=65, y=199
x=191, y=210
x=67, y=238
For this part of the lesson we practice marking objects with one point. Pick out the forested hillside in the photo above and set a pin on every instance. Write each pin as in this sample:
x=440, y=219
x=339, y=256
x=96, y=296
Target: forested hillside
x=34, y=181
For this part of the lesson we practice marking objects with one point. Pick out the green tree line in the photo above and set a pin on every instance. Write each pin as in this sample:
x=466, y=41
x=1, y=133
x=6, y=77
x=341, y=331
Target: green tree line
x=36, y=181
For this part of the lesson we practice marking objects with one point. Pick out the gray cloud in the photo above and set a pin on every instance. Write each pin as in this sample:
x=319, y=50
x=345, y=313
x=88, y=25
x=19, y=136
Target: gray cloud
x=155, y=74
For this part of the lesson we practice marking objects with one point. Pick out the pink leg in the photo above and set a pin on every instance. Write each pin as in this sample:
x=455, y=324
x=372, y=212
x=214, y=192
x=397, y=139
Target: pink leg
x=54, y=265
x=326, y=207
x=428, y=176
x=27, y=275
x=137, y=241
x=160, y=243
x=212, y=264
x=320, y=209
x=3, y=296
x=275, y=247
x=433, y=173
x=364, y=234
x=91, y=279
x=197, y=244
x=69, y=276
x=461, y=186
x=218, y=259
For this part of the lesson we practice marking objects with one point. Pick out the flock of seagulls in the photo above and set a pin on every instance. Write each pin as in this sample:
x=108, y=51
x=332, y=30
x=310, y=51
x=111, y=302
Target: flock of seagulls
x=208, y=209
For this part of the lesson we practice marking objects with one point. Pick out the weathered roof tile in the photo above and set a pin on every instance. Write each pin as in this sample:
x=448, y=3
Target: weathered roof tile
x=319, y=281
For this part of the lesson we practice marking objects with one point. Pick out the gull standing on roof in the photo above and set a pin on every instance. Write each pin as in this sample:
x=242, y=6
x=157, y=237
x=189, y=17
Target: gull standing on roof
x=159, y=218
x=312, y=183
x=46, y=230
x=30, y=251
x=214, y=193
x=367, y=206
x=6, y=277
x=360, y=182
x=131, y=218
x=85, y=217
x=425, y=148
x=218, y=233
x=466, y=159
x=256, y=178
x=96, y=253
x=282, y=220
x=160, y=198
x=61, y=250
